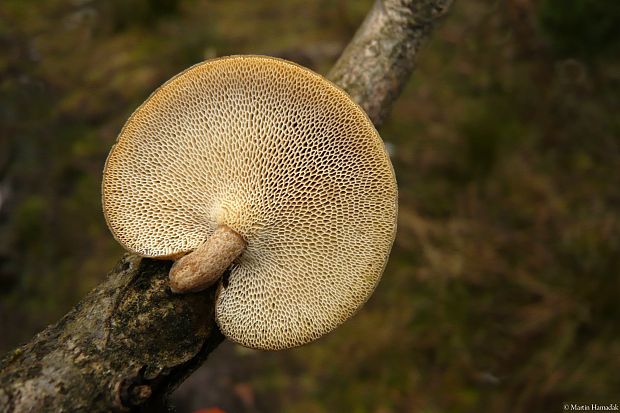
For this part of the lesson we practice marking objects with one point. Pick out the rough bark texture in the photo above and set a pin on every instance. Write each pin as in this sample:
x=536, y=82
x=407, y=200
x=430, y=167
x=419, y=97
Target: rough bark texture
x=377, y=63
x=124, y=347
x=130, y=342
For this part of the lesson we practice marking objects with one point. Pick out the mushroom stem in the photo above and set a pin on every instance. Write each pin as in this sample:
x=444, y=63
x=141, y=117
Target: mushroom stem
x=201, y=268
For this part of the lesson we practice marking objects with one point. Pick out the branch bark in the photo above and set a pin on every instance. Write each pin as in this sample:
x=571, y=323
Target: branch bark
x=130, y=342
x=375, y=66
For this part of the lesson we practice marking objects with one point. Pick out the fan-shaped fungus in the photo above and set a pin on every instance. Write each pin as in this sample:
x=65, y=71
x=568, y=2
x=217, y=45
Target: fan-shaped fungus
x=264, y=168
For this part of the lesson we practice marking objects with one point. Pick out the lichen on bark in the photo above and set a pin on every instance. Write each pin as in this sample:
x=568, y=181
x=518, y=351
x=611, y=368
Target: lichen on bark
x=127, y=344
x=375, y=66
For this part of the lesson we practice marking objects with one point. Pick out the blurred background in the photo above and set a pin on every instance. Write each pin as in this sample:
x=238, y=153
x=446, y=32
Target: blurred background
x=502, y=291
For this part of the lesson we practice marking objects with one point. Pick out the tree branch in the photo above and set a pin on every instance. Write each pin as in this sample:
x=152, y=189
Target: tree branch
x=377, y=63
x=130, y=342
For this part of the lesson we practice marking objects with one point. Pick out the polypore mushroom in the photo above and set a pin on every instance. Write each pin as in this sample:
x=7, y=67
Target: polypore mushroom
x=261, y=167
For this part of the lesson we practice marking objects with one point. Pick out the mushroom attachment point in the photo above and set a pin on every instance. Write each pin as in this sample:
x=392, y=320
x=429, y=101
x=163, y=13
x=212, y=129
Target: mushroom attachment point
x=264, y=170
x=203, y=267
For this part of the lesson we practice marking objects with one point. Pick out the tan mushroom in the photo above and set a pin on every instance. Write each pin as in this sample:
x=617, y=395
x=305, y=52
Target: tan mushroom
x=261, y=167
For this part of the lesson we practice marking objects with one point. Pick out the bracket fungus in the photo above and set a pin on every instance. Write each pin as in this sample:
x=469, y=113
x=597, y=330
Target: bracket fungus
x=264, y=170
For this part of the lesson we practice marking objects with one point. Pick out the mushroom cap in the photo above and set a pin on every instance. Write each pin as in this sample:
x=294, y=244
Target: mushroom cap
x=283, y=157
